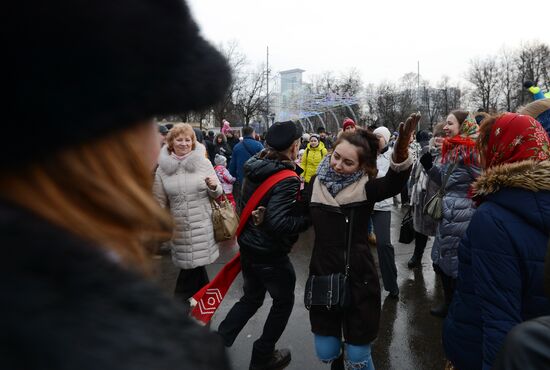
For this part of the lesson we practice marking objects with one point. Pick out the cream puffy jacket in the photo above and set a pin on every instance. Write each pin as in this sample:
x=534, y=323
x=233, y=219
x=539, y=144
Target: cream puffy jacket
x=180, y=186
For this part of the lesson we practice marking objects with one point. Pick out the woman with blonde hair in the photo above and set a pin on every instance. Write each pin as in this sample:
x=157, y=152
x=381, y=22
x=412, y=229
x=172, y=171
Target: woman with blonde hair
x=185, y=182
x=76, y=209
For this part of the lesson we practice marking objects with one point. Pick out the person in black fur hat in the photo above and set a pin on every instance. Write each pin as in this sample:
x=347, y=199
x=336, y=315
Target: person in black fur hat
x=86, y=79
x=265, y=244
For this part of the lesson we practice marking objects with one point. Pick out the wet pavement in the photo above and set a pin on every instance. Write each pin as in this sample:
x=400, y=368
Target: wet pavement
x=409, y=337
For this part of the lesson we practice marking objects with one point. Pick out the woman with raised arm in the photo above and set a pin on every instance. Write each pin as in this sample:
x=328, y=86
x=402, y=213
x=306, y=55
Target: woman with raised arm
x=344, y=192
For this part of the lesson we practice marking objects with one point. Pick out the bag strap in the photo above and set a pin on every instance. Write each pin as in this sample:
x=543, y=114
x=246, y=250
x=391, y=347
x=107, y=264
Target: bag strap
x=260, y=192
x=450, y=170
x=350, y=237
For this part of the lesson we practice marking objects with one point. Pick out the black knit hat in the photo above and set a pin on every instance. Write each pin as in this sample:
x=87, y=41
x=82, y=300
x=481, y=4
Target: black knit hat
x=80, y=69
x=281, y=135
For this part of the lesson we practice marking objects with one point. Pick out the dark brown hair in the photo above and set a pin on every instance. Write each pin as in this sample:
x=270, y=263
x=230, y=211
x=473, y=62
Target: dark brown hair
x=367, y=142
x=485, y=132
x=460, y=115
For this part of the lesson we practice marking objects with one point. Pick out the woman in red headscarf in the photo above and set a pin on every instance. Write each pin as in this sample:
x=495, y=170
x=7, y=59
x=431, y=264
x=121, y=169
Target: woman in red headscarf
x=501, y=256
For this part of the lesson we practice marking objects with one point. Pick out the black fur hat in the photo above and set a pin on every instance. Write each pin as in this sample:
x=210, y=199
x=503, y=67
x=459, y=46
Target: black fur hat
x=281, y=135
x=80, y=69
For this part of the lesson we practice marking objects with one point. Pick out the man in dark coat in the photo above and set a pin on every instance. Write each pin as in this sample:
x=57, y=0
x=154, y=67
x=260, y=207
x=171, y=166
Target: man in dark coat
x=242, y=152
x=264, y=248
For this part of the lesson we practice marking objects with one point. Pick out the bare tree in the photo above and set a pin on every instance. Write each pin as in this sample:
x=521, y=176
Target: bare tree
x=508, y=79
x=251, y=98
x=350, y=84
x=387, y=105
x=225, y=108
x=533, y=64
x=483, y=74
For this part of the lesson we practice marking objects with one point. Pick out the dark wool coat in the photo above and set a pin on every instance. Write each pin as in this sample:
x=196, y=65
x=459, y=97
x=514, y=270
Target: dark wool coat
x=330, y=217
x=500, y=273
x=66, y=304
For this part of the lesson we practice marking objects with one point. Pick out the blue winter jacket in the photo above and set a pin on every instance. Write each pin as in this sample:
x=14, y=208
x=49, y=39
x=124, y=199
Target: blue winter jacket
x=242, y=152
x=501, y=263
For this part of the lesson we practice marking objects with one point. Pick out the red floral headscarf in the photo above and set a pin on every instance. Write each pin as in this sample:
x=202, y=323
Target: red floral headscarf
x=463, y=145
x=514, y=138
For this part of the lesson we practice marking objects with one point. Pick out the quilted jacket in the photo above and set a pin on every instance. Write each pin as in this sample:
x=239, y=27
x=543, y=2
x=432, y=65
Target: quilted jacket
x=458, y=209
x=180, y=186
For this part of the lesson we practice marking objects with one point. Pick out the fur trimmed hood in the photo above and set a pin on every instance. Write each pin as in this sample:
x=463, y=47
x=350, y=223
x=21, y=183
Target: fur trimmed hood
x=528, y=175
x=194, y=162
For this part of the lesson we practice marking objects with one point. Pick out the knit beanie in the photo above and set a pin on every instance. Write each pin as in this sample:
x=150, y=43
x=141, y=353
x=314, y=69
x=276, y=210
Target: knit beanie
x=347, y=123
x=79, y=70
x=384, y=132
x=423, y=137
x=163, y=130
x=220, y=160
x=281, y=135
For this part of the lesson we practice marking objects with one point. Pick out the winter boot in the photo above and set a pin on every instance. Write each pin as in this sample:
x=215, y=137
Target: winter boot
x=420, y=241
x=279, y=359
x=448, y=284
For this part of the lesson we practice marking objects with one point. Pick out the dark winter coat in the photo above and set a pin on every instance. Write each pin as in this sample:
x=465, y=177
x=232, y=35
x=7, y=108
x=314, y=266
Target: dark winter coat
x=500, y=276
x=458, y=209
x=330, y=217
x=66, y=304
x=223, y=149
x=242, y=152
x=284, y=217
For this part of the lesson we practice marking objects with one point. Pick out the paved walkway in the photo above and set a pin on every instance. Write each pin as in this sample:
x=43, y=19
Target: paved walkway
x=409, y=337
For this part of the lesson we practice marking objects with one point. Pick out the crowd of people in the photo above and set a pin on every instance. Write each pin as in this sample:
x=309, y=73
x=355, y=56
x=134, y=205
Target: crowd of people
x=99, y=184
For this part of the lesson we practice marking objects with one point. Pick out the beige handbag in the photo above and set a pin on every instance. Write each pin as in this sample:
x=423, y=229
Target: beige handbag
x=224, y=219
x=434, y=206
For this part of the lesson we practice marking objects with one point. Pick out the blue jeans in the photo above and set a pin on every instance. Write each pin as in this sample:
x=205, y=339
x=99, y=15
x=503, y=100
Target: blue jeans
x=356, y=357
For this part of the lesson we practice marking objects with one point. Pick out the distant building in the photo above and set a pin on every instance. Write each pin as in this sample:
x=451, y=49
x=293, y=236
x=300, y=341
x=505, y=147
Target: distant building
x=291, y=81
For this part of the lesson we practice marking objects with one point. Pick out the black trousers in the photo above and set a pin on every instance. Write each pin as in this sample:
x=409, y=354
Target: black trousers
x=189, y=282
x=447, y=282
x=381, y=221
x=420, y=241
x=279, y=280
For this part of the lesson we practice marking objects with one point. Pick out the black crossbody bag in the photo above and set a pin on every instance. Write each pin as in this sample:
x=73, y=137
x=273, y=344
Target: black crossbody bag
x=332, y=291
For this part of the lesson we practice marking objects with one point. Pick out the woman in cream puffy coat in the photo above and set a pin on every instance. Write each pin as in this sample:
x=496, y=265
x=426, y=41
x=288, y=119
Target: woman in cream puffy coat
x=185, y=182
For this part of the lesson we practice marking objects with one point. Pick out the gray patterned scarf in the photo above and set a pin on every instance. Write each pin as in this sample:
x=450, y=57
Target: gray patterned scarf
x=334, y=181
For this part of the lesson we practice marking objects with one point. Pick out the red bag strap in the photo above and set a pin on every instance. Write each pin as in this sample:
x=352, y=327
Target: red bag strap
x=259, y=194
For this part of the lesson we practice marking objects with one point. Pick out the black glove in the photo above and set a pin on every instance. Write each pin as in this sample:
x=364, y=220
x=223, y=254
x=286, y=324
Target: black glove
x=427, y=161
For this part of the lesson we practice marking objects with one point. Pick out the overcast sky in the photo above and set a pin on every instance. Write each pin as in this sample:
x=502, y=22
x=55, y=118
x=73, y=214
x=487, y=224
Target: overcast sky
x=383, y=39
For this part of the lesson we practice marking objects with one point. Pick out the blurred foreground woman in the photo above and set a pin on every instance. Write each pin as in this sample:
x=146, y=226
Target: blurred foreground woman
x=76, y=209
